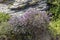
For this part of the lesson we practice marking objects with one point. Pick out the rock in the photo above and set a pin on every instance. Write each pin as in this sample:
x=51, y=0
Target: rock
x=19, y=3
x=32, y=3
x=20, y=6
x=3, y=8
x=29, y=3
x=8, y=2
x=1, y=0
x=22, y=1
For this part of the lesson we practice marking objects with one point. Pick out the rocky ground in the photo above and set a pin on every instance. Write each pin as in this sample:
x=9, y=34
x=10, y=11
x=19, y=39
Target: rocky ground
x=18, y=7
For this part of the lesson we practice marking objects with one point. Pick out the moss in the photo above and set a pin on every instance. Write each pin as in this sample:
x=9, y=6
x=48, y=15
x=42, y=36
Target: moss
x=4, y=17
x=55, y=27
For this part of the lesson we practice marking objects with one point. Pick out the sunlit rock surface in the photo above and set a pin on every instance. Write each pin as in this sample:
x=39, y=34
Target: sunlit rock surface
x=20, y=6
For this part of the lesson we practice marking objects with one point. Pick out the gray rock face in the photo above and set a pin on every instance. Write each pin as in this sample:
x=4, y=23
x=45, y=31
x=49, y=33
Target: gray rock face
x=1, y=0
x=18, y=3
x=20, y=6
x=38, y=4
x=6, y=1
x=22, y=1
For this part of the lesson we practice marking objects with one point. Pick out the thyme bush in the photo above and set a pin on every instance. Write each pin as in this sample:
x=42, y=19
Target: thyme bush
x=31, y=25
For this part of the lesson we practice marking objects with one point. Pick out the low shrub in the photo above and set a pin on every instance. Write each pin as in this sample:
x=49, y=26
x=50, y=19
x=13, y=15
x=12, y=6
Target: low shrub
x=6, y=31
x=32, y=25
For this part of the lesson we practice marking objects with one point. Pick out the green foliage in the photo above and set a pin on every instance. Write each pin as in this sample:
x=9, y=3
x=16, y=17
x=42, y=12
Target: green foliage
x=55, y=8
x=55, y=22
x=5, y=28
x=4, y=17
x=3, y=22
x=55, y=27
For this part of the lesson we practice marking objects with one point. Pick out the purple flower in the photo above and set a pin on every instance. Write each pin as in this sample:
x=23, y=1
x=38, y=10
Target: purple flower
x=32, y=21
